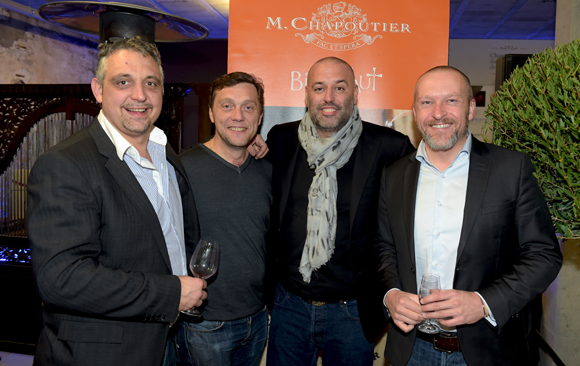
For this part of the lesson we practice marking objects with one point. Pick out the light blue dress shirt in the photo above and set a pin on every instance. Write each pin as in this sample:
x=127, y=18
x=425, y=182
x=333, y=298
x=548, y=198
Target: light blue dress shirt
x=439, y=212
x=158, y=180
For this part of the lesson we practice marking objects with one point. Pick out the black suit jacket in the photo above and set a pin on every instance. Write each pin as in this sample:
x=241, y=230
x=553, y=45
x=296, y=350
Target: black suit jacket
x=507, y=251
x=99, y=256
x=377, y=147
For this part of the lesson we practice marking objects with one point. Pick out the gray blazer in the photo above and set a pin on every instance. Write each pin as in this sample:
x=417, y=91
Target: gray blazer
x=99, y=256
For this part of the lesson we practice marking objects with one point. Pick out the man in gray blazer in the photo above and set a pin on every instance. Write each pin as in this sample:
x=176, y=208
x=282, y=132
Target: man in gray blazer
x=473, y=214
x=111, y=219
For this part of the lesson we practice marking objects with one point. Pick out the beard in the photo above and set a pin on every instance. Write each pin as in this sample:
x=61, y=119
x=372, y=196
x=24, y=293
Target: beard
x=436, y=144
x=337, y=122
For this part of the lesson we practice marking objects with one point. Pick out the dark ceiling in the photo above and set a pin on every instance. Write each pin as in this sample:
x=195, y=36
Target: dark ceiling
x=472, y=19
x=502, y=19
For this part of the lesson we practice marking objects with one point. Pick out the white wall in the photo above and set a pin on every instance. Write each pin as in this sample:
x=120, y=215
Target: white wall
x=477, y=59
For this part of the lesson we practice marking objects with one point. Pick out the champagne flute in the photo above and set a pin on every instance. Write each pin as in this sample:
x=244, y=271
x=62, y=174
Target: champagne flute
x=203, y=264
x=429, y=282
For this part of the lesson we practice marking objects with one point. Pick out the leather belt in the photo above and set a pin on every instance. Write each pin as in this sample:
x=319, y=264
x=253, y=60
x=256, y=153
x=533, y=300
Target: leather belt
x=444, y=342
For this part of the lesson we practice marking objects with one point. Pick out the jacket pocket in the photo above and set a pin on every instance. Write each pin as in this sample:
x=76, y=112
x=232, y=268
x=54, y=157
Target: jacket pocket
x=90, y=332
x=497, y=208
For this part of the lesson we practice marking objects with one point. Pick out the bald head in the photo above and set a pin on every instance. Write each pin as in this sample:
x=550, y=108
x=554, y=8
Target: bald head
x=331, y=94
x=443, y=107
x=324, y=62
x=437, y=69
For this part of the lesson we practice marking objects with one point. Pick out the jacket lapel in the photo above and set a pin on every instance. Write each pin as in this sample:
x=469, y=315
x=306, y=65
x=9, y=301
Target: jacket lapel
x=179, y=169
x=410, y=182
x=479, y=166
x=366, y=147
x=130, y=186
x=289, y=155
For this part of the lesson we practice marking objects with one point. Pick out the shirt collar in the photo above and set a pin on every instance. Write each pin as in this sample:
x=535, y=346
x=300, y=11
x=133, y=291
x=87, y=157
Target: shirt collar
x=422, y=152
x=121, y=144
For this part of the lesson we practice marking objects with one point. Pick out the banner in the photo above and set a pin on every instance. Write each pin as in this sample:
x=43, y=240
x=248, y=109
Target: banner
x=388, y=43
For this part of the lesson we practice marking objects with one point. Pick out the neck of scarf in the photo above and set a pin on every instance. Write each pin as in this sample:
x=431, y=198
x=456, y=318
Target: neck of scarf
x=325, y=157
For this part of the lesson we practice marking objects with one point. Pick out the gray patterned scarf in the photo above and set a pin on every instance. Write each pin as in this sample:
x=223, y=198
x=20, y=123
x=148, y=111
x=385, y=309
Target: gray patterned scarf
x=325, y=157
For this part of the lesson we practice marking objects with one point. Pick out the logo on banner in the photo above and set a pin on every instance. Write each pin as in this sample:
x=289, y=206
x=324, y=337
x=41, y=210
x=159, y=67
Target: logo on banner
x=344, y=22
x=339, y=22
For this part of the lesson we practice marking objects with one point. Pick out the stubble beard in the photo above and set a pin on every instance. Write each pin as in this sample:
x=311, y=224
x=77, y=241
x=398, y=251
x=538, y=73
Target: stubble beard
x=343, y=116
x=132, y=125
x=435, y=145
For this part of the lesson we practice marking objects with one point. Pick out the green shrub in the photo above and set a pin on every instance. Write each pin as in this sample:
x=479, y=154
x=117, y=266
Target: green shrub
x=536, y=111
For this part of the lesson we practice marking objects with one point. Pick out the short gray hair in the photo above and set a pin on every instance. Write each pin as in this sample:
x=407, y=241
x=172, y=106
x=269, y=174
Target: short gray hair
x=132, y=44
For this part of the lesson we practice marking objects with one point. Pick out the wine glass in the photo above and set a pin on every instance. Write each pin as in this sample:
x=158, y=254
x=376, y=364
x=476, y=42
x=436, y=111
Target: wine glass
x=429, y=282
x=203, y=264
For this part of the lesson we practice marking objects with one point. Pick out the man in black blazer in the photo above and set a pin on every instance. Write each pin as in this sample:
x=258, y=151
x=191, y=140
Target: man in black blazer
x=473, y=214
x=326, y=175
x=106, y=224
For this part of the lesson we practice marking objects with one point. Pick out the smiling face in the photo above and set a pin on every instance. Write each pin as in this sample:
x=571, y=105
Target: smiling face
x=443, y=109
x=132, y=93
x=236, y=114
x=331, y=94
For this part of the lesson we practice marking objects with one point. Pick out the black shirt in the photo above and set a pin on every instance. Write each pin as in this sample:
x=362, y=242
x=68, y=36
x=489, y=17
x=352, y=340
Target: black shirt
x=333, y=281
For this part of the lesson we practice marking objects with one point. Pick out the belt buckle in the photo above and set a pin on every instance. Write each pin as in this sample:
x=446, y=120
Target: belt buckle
x=436, y=347
x=444, y=336
x=317, y=303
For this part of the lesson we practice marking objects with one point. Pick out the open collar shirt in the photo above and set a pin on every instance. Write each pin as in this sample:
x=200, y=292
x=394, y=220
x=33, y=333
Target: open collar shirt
x=158, y=180
x=439, y=212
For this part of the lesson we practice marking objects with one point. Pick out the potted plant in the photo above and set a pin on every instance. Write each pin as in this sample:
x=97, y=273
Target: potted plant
x=537, y=111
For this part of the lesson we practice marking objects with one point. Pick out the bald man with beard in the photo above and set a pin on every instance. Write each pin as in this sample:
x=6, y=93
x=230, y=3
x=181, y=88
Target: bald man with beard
x=325, y=182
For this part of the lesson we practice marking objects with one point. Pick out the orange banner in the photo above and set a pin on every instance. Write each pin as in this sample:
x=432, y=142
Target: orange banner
x=388, y=43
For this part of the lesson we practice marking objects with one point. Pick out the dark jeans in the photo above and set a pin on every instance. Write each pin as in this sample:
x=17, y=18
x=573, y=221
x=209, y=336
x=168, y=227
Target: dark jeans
x=299, y=331
x=216, y=343
x=425, y=355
